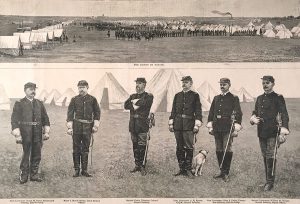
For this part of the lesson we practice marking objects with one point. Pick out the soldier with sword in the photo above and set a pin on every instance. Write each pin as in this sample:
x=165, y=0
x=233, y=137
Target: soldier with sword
x=224, y=122
x=271, y=117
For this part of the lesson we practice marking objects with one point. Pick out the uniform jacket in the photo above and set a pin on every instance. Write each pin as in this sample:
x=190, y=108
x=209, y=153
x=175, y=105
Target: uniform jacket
x=267, y=107
x=185, y=110
x=138, y=122
x=26, y=111
x=221, y=110
x=83, y=108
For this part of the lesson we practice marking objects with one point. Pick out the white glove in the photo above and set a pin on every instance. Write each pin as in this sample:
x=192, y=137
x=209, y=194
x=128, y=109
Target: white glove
x=234, y=133
x=210, y=128
x=281, y=139
x=70, y=131
x=17, y=133
x=254, y=120
x=96, y=126
x=171, y=127
x=70, y=128
x=46, y=136
x=284, y=131
x=237, y=127
x=198, y=123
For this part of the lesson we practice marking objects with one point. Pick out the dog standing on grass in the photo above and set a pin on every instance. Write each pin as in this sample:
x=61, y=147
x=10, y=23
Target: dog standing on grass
x=198, y=162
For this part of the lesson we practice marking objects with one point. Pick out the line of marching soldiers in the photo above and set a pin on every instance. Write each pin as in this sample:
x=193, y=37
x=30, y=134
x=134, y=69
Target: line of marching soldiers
x=31, y=126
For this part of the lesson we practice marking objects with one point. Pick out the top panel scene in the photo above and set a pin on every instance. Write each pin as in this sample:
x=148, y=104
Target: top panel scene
x=149, y=31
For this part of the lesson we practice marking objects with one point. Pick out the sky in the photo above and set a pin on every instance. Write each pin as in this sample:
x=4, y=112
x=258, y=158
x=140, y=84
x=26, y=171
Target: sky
x=133, y=8
x=286, y=80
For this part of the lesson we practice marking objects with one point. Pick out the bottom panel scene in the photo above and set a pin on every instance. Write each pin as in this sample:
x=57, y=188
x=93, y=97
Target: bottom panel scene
x=149, y=133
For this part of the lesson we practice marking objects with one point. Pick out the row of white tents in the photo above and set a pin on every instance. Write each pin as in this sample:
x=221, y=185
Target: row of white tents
x=111, y=95
x=14, y=45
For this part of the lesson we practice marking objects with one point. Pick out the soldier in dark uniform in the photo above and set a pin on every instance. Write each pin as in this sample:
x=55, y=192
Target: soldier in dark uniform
x=82, y=121
x=268, y=107
x=224, y=108
x=185, y=121
x=139, y=105
x=30, y=125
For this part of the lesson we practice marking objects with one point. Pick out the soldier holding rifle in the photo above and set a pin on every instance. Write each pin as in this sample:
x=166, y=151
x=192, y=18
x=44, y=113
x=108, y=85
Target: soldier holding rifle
x=139, y=105
x=271, y=117
x=224, y=122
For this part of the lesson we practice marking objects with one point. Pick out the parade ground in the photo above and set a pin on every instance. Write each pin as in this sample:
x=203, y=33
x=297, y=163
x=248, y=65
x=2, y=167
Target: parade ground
x=112, y=159
x=93, y=46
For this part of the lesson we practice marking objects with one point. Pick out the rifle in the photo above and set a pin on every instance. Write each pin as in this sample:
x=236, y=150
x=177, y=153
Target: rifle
x=229, y=136
x=151, y=124
x=279, y=121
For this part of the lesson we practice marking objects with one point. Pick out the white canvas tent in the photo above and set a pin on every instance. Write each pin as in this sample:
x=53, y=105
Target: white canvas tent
x=164, y=85
x=109, y=93
x=52, y=97
x=284, y=34
x=25, y=40
x=269, y=34
x=66, y=97
x=4, y=100
x=43, y=95
x=243, y=95
x=11, y=45
x=207, y=91
x=269, y=26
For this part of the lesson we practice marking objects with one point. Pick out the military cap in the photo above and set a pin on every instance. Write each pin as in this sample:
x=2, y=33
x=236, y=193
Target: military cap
x=224, y=80
x=141, y=79
x=187, y=78
x=268, y=78
x=82, y=83
x=30, y=85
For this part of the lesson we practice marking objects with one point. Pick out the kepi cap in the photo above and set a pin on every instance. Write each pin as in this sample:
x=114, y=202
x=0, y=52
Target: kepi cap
x=141, y=79
x=30, y=85
x=268, y=78
x=224, y=80
x=187, y=78
x=82, y=83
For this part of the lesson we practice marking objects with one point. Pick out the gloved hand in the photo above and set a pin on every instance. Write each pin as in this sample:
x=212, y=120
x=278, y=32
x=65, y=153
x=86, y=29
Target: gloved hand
x=234, y=133
x=96, y=126
x=237, y=128
x=46, y=131
x=196, y=129
x=210, y=128
x=281, y=139
x=70, y=128
x=254, y=120
x=17, y=133
x=70, y=131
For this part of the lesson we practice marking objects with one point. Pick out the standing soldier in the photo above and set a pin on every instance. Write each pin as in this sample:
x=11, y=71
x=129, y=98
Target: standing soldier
x=30, y=125
x=82, y=122
x=270, y=111
x=139, y=105
x=224, y=122
x=185, y=121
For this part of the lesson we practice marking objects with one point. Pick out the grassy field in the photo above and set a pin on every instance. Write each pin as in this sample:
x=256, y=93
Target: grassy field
x=95, y=47
x=113, y=159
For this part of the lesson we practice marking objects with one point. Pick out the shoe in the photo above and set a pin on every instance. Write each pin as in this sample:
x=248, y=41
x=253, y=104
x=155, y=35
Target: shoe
x=86, y=174
x=136, y=168
x=143, y=171
x=180, y=173
x=36, y=178
x=189, y=174
x=76, y=174
x=23, y=178
x=268, y=186
x=220, y=175
x=226, y=178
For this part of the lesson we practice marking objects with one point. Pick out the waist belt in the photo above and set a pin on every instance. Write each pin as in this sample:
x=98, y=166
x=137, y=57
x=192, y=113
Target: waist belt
x=185, y=116
x=223, y=117
x=84, y=121
x=137, y=116
x=30, y=123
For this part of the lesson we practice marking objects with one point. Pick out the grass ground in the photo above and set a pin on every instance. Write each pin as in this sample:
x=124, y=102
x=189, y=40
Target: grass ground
x=113, y=159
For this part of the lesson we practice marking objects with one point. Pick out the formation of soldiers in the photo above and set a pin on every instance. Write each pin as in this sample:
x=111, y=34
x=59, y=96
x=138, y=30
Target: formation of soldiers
x=30, y=126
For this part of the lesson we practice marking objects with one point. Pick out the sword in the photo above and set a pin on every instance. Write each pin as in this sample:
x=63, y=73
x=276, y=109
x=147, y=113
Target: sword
x=91, y=147
x=151, y=124
x=229, y=136
x=279, y=120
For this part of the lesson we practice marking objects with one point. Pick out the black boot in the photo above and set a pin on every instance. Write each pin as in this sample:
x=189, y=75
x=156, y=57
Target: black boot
x=142, y=150
x=136, y=159
x=23, y=177
x=76, y=161
x=180, y=153
x=219, y=158
x=84, y=164
x=34, y=175
x=270, y=177
x=189, y=160
x=227, y=164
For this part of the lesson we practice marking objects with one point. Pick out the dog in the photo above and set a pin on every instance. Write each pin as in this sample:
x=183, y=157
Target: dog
x=198, y=162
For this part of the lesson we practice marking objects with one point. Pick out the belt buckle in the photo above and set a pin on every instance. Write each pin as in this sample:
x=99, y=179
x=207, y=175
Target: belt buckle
x=219, y=116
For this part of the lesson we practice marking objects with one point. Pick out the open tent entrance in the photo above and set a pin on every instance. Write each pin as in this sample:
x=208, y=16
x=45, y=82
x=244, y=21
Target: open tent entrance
x=104, y=103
